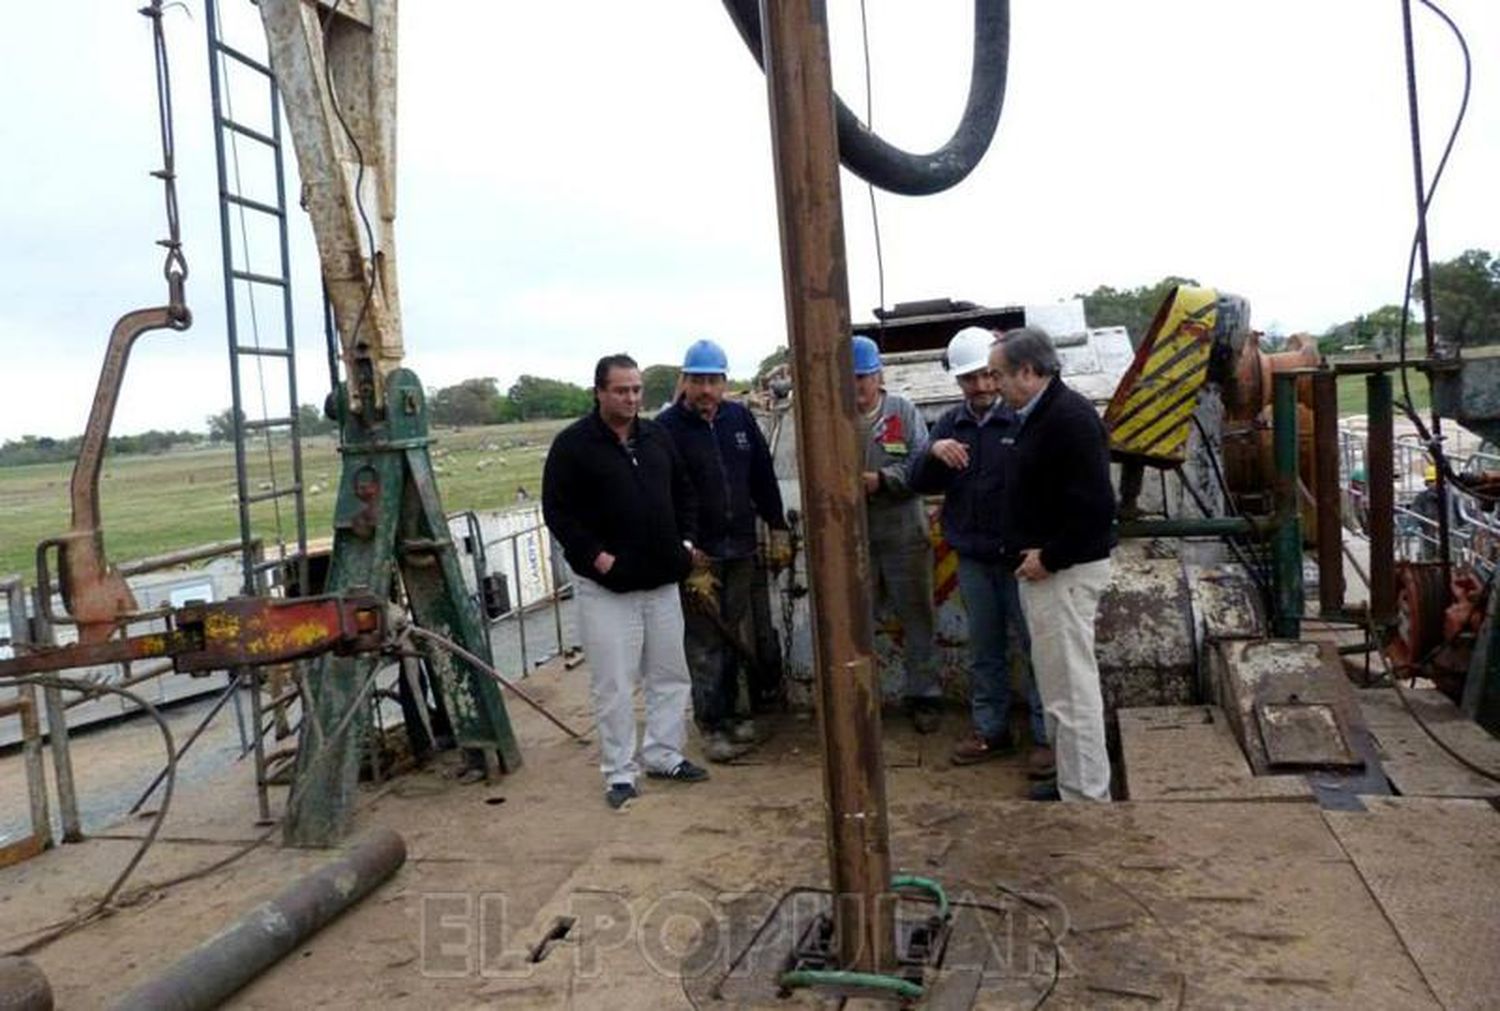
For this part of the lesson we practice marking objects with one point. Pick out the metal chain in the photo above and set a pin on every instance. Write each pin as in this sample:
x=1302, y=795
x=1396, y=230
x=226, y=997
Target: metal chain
x=175, y=267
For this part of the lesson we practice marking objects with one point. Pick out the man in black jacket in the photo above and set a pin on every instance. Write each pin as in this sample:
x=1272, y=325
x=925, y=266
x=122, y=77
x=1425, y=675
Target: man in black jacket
x=1057, y=512
x=965, y=462
x=730, y=467
x=616, y=497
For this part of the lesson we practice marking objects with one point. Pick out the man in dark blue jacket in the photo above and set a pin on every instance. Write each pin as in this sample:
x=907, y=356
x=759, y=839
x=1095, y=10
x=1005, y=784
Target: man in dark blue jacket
x=615, y=495
x=730, y=467
x=965, y=461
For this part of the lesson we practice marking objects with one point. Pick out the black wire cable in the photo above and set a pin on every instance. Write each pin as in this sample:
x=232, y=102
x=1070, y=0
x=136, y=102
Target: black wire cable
x=1260, y=577
x=864, y=30
x=1407, y=406
x=102, y=906
x=871, y=157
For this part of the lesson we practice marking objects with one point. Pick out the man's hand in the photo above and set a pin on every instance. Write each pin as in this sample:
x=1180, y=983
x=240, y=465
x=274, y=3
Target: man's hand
x=1031, y=568
x=872, y=482
x=952, y=452
x=603, y=562
x=702, y=588
x=700, y=559
x=778, y=550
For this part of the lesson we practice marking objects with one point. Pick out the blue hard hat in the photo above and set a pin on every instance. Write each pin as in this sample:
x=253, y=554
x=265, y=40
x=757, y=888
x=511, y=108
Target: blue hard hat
x=866, y=356
x=705, y=358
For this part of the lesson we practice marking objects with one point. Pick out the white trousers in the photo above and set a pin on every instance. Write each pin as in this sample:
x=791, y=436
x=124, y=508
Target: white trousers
x=635, y=638
x=1060, y=613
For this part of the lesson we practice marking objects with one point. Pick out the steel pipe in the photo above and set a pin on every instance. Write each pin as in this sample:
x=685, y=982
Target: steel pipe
x=1286, y=542
x=1380, y=483
x=207, y=975
x=1328, y=498
x=1217, y=526
x=23, y=987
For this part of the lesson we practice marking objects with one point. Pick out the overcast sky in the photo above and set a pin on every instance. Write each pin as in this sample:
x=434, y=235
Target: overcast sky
x=585, y=177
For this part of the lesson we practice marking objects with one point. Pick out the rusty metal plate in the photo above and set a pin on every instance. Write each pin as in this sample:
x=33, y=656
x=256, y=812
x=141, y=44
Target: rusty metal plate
x=1303, y=735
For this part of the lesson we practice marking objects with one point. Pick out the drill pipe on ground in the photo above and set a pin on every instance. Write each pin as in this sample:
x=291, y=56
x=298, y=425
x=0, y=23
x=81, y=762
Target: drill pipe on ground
x=207, y=975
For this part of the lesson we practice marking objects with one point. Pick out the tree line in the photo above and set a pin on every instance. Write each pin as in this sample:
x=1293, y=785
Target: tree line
x=1466, y=310
x=1465, y=298
x=45, y=449
x=533, y=398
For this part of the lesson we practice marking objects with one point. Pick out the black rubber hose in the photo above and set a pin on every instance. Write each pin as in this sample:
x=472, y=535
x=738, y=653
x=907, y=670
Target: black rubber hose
x=874, y=160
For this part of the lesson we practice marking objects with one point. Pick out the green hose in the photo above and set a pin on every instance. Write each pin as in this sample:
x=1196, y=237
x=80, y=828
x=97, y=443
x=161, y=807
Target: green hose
x=873, y=980
x=838, y=977
x=927, y=885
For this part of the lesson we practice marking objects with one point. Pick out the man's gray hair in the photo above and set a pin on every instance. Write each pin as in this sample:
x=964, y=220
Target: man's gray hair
x=1029, y=345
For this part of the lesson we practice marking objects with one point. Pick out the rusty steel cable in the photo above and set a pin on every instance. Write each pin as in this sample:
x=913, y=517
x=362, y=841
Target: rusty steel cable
x=174, y=267
x=506, y=683
x=359, y=180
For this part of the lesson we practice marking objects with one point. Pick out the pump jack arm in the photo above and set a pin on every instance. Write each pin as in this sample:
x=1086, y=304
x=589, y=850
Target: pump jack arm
x=336, y=66
x=335, y=63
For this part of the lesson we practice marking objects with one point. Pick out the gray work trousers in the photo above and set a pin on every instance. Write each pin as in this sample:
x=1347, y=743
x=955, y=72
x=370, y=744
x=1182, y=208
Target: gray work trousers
x=902, y=577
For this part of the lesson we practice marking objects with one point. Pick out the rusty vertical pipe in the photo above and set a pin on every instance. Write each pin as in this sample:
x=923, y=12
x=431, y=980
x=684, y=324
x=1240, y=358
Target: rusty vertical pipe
x=805, y=151
x=1329, y=499
x=31, y=732
x=1380, y=475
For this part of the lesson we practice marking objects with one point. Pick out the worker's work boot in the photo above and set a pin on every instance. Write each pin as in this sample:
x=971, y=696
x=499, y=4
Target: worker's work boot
x=974, y=748
x=744, y=732
x=1044, y=791
x=925, y=715
x=1041, y=763
x=717, y=747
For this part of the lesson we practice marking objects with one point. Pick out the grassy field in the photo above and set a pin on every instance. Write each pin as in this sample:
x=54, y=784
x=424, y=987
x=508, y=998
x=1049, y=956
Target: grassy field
x=152, y=504
x=1352, y=396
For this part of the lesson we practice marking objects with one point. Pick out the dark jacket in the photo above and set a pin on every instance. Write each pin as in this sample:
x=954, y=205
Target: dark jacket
x=634, y=502
x=730, y=466
x=971, y=515
x=1058, y=495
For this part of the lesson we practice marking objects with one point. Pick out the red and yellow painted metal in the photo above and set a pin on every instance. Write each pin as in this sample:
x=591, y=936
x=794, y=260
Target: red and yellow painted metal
x=239, y=632
x=1149, y=414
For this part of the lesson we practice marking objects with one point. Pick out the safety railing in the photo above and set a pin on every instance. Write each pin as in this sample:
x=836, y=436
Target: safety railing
x=1474, y=524
x=516, y=546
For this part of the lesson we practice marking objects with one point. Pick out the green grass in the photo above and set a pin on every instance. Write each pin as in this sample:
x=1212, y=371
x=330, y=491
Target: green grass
x=1352, y=396
x=153, y=504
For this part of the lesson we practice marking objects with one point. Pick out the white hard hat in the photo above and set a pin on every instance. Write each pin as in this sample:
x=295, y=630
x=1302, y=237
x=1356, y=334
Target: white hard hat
x=968, y=351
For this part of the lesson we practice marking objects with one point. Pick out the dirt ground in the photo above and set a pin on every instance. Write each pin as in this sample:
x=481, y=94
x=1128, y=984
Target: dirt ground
x=1216, y=904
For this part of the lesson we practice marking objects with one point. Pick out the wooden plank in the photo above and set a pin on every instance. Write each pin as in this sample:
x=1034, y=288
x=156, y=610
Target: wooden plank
x=1177, y=753
x=1434, y=867
x=1417, y=766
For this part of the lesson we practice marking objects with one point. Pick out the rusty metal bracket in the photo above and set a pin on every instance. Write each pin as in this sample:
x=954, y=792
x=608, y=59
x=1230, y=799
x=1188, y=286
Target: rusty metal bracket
x=239, y=632
x=94, y=593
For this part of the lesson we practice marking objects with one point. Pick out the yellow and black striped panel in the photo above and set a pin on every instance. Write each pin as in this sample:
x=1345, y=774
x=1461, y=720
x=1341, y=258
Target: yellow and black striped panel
x=1149, y=414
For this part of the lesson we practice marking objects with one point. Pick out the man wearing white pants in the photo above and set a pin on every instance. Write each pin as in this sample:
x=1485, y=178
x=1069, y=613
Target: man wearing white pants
x=1058, y=510
x=617, y=498
x=630, y=638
